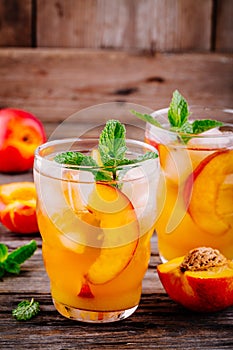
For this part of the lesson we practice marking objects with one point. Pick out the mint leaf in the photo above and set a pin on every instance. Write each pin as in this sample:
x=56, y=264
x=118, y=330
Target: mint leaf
x=26, y=310
x=11, y=266
x=22, y=253
x=147, y=118
x=178, y=110
x=75, y=158
x=112, y=149
x=2, y=270
x=178, y=114
x=3, y=252
x=200, y=126
x=112, y=144
x=187, y=128
x=103, y=175
x=10, y=262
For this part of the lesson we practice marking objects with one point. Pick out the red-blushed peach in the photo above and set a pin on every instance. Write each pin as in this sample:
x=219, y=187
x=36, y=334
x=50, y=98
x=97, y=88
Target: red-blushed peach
x=201, y=281
x=18, y=207
x=20, y=134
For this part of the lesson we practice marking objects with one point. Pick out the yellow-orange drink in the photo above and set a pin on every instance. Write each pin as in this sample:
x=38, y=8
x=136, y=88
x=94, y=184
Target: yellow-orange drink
x=195, y=197
x=96, y=234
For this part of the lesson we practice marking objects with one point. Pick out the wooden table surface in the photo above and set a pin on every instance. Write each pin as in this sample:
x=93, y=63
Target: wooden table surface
x=53, y=84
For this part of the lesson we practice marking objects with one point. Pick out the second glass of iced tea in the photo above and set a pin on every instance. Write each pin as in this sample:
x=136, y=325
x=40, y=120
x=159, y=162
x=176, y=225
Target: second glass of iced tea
x=96, y=234
x=195, y=197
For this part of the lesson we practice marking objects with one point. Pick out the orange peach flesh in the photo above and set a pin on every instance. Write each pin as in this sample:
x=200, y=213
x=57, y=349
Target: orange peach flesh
x=18, y=207
x=110, y=210
x=201, y=291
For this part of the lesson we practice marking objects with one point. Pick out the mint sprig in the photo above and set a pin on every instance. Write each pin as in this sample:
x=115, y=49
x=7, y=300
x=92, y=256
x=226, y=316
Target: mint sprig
x=10, y=262
x=178, y=111
x=112, y=149
x=178, y=117
x=75, y=158
x=26, y=309
x=112, y=145
x=147, y=118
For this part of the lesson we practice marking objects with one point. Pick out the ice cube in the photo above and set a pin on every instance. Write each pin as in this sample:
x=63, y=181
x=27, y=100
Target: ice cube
x=213, y=138
x=140, y=186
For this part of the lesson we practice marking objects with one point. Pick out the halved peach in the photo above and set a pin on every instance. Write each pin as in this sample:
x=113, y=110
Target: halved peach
x=209, y=192
x=202, y=291
x=120, y=232
x=18, y=207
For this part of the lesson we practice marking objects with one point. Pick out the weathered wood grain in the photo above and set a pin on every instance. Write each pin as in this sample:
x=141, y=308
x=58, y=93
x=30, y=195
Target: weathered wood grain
x=55, y=84
x=16, y=23
x=162, y=25
x=158, y=322
x=224, y=26
x=147, y=25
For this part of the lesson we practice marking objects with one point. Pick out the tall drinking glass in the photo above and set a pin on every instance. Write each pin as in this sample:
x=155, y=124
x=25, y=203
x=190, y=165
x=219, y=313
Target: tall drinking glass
x=96, y=235
x=195, y=197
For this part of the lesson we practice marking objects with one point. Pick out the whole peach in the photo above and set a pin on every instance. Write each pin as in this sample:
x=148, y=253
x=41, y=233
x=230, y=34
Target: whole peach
x=20, y=134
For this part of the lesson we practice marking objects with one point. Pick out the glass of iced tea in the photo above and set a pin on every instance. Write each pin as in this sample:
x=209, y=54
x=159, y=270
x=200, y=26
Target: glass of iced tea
x=195, y=197
x=96, y=228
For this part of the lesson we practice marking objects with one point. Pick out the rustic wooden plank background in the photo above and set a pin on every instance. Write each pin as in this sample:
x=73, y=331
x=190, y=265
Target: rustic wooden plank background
x=147, y=25
x=55, y=83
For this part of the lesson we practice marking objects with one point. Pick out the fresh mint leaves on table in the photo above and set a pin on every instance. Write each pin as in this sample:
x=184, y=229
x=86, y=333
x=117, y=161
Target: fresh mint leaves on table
x=112, y=148
x=178, y=117
x=10, y=262
x=26, y=310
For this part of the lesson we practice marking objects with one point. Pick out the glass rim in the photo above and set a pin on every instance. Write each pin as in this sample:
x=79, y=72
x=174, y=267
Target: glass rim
x=161, y=113
x=72, y=141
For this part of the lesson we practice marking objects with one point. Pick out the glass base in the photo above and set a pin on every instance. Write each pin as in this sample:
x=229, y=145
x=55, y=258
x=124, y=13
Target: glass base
x=92, y=316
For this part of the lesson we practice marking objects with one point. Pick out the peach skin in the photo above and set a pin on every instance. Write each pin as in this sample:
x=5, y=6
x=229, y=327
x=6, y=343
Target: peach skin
x=20, y=134
x=201, y=281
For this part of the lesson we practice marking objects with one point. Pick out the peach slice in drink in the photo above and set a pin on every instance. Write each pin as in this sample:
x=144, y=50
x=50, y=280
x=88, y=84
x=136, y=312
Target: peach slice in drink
x=120, y=228
x=210, y=192
x=79, y=224
x=109, y=224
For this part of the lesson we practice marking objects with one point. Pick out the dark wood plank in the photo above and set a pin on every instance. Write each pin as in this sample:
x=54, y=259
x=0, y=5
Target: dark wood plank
x=157, y=323
x=16, y=23
x=224, y=26
x=55, y=84
x=126, y=24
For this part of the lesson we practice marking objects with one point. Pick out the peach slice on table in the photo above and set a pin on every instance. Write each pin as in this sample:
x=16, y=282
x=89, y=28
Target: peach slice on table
x=18, y=207
x=209, y=192
x=119, y=224
x=209, y=289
